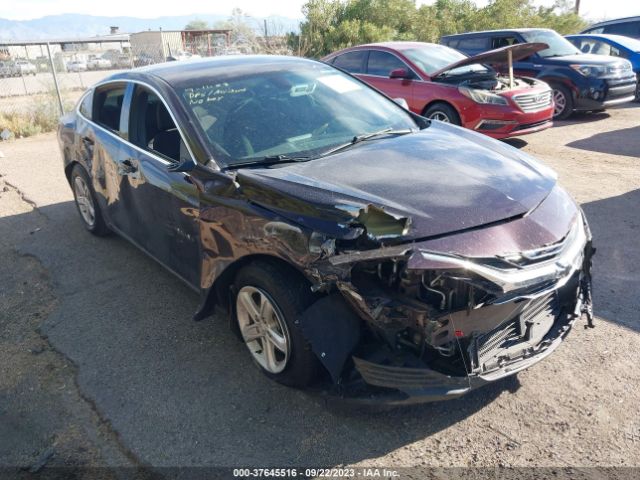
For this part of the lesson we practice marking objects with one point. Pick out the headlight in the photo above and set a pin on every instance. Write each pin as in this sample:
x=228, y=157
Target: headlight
x=591, y=70
x=482, y=96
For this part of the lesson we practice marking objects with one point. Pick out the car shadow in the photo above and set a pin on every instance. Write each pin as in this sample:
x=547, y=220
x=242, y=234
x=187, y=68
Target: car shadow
x=625, y=141
x=581, y=118
x=516, y=142
x=615, y=225
x=183, y=393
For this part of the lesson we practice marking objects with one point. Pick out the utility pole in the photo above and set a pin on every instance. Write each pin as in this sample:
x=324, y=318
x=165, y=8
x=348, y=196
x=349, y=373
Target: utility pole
x=577, y=7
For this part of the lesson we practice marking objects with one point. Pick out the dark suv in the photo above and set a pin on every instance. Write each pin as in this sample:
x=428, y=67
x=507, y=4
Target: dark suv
x=580, y=82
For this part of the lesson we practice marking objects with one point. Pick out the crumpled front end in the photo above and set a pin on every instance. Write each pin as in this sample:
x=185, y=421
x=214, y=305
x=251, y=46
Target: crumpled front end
x=428, y=325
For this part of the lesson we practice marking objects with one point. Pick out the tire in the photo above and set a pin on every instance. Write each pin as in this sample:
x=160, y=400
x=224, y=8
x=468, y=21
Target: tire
x=443, y=112
x=296, y=365
x=563, y=95
x=85, y=199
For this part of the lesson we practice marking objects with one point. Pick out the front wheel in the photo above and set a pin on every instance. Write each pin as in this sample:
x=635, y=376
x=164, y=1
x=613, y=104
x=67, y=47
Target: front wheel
x=563, y=101
x=442, y=112
x=269, y=299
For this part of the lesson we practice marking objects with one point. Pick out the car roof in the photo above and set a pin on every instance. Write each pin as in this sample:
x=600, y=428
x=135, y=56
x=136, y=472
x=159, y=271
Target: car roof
x=503, y=30
x=399, y=45
x=208, y=67
x=612, y=22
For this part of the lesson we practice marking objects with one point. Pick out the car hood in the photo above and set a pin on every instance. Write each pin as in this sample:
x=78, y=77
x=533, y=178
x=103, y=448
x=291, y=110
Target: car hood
x=585, y=59
x=442, y=179
x=497, y=56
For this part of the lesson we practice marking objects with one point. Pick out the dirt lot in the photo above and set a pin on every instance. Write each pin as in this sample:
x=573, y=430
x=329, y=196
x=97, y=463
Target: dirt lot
x=100, y=363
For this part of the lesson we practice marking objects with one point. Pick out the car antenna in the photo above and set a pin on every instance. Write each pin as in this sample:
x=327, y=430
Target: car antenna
x=510, y=60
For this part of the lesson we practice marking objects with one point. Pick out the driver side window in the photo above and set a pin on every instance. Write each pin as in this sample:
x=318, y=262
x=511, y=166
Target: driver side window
x=152, y=128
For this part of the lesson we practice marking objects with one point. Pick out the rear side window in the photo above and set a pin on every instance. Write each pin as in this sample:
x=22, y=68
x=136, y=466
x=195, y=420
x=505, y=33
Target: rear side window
x=381, y=63
x=503, y=41
x=631, y=29
x=108, y=106
x=475, y=44
x=351, y=61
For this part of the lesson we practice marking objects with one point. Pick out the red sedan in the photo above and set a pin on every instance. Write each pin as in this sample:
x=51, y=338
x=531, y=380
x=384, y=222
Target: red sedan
x=443, y=84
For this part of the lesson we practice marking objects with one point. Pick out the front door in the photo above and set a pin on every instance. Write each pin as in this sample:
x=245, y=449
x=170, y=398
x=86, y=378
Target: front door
x=379, y=66
x=164, y=203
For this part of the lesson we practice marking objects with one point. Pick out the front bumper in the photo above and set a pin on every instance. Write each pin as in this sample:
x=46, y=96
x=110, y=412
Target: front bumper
x=506, y=333
x=395, y=385
x=599, y=94
x=509, y=121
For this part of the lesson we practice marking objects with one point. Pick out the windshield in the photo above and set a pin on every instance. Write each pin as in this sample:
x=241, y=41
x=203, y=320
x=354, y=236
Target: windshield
x=435, y=57
x=558, y=45
x=303, y=110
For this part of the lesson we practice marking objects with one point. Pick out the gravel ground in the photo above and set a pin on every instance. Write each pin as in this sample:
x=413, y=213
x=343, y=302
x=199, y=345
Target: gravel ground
x=100, y=364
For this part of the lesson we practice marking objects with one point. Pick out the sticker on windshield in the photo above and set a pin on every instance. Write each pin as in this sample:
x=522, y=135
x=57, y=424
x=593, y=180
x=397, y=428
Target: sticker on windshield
x=339, y=84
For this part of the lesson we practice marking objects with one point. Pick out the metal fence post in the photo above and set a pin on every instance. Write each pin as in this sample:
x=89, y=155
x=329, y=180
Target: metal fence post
x=55, y=79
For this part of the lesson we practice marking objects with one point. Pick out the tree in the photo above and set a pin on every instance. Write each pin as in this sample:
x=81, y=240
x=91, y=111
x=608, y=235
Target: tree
x=242, y=33
x=335, y=24
x=197, y=24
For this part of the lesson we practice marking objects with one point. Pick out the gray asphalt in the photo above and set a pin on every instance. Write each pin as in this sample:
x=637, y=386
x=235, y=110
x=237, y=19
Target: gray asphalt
x=167, y=391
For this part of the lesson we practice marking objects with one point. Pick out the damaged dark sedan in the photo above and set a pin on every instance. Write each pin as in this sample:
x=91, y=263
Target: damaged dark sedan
x=355, y=246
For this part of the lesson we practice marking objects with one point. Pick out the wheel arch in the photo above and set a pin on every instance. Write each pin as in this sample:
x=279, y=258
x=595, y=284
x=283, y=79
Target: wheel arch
x=220, y=291
x=444, y=102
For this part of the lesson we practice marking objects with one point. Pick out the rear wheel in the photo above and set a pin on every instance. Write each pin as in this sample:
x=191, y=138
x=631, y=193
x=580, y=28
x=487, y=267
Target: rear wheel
x=442, y=112
x=86, y=202
x=563, y=101
x=269, y=299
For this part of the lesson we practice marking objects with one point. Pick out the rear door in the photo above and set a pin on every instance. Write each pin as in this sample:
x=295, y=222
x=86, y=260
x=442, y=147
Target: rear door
x=378, y=67
x=163, y=203
x=105, y=144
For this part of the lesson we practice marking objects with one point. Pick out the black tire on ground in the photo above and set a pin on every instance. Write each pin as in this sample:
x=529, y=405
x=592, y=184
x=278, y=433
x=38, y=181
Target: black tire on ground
x=97, y=226
x=291, y=295
x=443, y=112
x=562, y=92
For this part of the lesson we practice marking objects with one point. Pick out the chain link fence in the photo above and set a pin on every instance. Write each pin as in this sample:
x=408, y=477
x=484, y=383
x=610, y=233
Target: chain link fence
x=38, y=81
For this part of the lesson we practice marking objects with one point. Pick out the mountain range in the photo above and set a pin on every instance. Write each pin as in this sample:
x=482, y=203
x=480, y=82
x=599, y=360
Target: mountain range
x=78, y=25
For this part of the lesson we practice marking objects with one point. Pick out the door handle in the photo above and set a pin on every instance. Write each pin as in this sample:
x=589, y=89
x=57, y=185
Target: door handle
x=128, y=166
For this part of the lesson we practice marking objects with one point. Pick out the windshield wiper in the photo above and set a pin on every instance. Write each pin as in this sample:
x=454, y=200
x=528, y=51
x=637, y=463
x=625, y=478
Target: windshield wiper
x=271, y=160
x=364, y=137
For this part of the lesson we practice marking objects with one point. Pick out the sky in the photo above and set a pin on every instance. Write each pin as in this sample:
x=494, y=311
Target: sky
x=29, y=9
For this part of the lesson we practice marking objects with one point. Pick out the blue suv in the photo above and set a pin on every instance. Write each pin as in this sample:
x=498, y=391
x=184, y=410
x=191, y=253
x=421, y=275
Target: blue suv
x=580, y=82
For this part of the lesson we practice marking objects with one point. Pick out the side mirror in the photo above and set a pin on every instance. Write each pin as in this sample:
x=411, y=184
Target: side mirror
x=402, y=102
x=399, y=73
x=185, y=165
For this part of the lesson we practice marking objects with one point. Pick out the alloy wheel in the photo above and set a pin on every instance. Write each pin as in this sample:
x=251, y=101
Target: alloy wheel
x=560, y=102
x=263, y=329
x=84, y=200
x=438, y=115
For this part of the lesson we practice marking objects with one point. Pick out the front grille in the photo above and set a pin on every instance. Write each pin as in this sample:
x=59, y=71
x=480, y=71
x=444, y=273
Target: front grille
x=489, y=344
x=512, y=339
x=540, y=254
x=532, y=102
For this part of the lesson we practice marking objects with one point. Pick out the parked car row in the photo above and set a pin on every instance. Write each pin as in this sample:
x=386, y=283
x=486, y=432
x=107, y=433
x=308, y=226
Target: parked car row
x=17, y=68
x=580, y=81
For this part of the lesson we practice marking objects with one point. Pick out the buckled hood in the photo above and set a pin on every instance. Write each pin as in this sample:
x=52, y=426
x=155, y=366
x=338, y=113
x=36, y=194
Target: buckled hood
x=442, y=179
